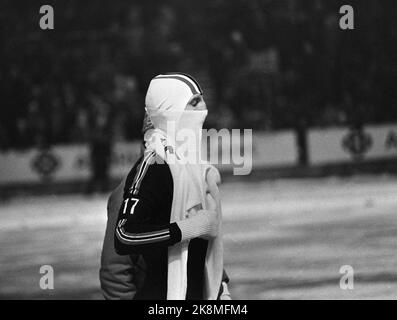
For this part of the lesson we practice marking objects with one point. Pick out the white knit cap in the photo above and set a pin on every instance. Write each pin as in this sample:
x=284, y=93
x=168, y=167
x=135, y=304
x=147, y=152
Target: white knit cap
x=166, y=100
x=170, y=92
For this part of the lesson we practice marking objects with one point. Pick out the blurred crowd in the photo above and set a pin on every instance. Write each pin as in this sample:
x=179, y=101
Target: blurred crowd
x=264, y=64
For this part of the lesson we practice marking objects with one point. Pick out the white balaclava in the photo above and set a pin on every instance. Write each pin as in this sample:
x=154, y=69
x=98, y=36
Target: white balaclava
x=166, y=100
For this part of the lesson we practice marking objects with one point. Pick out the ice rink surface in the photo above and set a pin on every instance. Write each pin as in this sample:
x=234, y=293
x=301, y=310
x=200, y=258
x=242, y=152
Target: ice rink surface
x=284, y=239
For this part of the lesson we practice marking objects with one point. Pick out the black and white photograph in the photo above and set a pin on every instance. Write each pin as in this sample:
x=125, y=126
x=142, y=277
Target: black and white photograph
x=221, y=150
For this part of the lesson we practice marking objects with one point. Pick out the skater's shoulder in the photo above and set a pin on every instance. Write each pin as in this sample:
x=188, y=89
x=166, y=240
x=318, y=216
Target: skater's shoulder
x=155, y=168
x=153, y=162
x=150, y=170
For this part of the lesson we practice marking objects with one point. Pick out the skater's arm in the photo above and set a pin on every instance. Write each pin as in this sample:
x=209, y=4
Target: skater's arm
x=144, y=215
x=136, y=233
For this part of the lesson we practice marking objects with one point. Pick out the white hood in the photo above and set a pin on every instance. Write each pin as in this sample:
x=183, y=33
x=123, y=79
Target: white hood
x=166, y=99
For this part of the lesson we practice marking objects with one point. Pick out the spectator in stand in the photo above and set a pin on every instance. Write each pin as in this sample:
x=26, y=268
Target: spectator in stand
x=100, y=142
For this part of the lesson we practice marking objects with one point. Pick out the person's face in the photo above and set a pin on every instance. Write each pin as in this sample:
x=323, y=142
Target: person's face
x=196, y=103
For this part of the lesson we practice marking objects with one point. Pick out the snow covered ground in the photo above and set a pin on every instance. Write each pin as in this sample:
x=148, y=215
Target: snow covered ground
x=284, y=239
